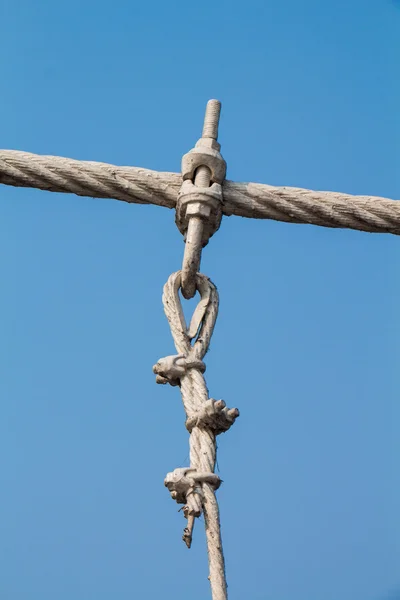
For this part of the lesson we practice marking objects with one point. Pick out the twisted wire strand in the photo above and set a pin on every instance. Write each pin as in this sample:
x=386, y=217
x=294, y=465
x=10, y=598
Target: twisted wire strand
x=203, y=446
x=84, y=178
x=326, y=209
x=249, y=200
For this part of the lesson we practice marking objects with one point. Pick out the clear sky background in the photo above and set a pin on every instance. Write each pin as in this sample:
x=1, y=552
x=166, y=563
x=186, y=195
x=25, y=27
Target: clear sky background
x=307, y=342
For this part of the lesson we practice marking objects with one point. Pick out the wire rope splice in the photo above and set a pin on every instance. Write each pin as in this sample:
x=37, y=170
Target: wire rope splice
x=199, y=205
x=195, y=486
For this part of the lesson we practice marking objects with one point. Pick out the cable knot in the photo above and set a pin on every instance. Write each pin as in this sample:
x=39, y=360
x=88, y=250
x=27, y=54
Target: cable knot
x=213, y=415
x=171, y=369
x=185, y=486
x=185, y=481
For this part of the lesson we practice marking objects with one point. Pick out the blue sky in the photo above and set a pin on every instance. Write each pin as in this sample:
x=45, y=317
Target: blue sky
x=306, y=344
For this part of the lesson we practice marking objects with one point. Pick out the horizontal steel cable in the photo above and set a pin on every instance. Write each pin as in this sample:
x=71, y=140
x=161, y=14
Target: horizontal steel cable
x=250, y=200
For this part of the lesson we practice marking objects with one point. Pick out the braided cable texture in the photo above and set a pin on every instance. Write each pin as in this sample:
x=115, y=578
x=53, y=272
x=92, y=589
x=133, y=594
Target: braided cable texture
x=194, y=394
x=84, y=178
x=250, y=200
x=326, y=209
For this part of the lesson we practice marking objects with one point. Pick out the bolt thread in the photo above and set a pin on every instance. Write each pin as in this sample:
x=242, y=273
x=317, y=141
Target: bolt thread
x=211, y=119
x=202, y=177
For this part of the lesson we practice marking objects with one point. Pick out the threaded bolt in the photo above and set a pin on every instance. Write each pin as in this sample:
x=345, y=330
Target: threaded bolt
x=211, y=119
